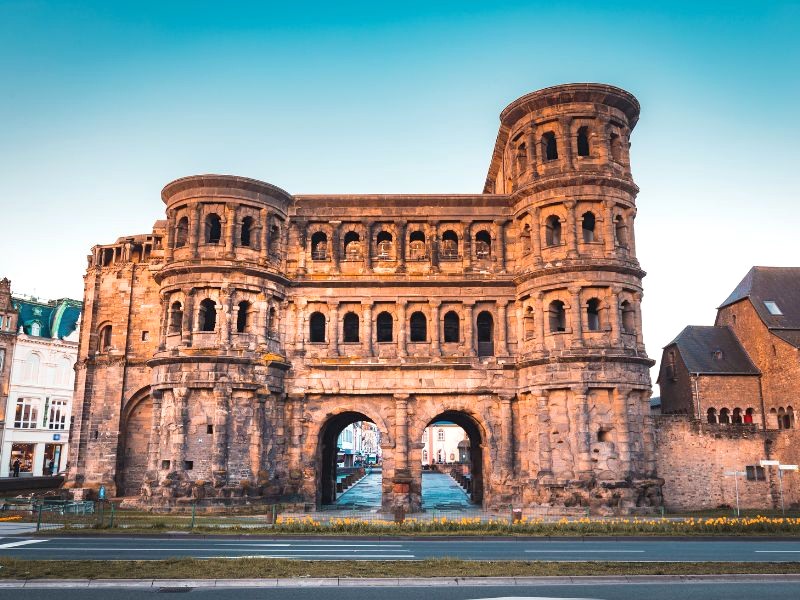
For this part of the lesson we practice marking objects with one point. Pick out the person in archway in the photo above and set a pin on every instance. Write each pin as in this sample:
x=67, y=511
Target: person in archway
x=15, y=467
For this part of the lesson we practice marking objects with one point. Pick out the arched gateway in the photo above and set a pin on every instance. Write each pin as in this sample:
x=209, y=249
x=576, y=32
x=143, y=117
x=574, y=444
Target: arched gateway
x=261, y=321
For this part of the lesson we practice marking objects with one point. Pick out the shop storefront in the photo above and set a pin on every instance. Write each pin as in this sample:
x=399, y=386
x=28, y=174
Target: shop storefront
x=23, y=453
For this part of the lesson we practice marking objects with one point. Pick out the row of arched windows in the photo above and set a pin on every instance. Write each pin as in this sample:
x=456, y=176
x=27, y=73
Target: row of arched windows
x=417, y=327
x=726, y=417
x=212, y=232
x=553, y=231
x=783, y=417
x=384, y=245
x=557, y=317
x=549, y=147
x=207, y=317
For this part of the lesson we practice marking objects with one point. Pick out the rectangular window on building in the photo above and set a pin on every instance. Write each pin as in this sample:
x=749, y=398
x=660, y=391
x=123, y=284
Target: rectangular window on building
x=756, y=473
x=772, y=307
x=57, y=416
x=26, y=413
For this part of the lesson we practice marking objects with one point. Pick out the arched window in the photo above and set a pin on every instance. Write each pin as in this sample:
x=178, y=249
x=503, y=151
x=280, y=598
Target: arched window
x=587, y=226
x=522, y=157
x=788, y=418
x=247, y=231
x=628, y=317
x=319, y=246
x=243, y=317
x=558, y=316
x=485, y=324
x=583, y=141
x=31, y=368
x=213, y=229
x=483, y=244
x=528, y=324
x=384, y=323
x=418, y=327
x=350, y=327
x=737, y=416
x=316, y=326
x=749, y=416
x=182, y=232
x=207, y=317
x=272, y=322
x=549, y=146
x=525, y=238
x=352, y=246
x=593, y=314
x=105, y=338
x=449, y=244
x=724, y=416
x=452, y=327
x=616, y=147
x=712, y=415
x=620, y=232
x=176, y=317
x=552, y=233
x=416, y=245
x=384, y=245
x=274, y=240
x=36, y=328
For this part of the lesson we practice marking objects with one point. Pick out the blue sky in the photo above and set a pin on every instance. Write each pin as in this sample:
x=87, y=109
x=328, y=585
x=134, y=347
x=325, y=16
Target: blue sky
x=105, y=102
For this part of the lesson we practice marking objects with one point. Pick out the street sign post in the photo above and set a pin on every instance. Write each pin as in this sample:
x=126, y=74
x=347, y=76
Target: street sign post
x=735, y=475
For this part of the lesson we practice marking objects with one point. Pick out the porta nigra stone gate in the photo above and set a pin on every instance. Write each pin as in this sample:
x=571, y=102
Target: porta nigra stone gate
x=222, y=354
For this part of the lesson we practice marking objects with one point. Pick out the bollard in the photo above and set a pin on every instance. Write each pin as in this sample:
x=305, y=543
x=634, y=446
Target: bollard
x=194, y=514
x=39, y=519
x=111, y=521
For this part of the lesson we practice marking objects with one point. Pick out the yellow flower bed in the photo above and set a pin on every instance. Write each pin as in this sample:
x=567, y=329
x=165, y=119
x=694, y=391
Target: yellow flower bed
x=5, y=519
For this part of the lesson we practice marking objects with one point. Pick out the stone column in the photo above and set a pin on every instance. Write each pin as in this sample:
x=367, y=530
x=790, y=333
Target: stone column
x=467, y=244
x=539, y=318
x=622, y=429
x=264, y=238
x=219, y=437
x=502, y=328
x=257, y=434
x=366, y=311
x=616, y=324
x=566, y=133
x=572, y=229
x=300, y=319
x=500, y=228
x=576, y=317
x=165, y=317
x=536, y=236
x=333, y=312
x=435, y=337
x=169, y=247
x=227, y=317
x=153, y=454
x=520, y=316
x=401, y=247
x=609, y=245
x=432, y=242
x=581, y=429
x=545, y=449
x=335, y=246
x=302, y=250
x=187, y=325
x=642, y=400
x=401, y=328
x=469, y=337
x=507, y=433
x=178, y=438
x=230, y=230
x=194, y=232
x=637, y=306
x=401, y=434
x=367, y=245
x=530, y=137
x=632, y=235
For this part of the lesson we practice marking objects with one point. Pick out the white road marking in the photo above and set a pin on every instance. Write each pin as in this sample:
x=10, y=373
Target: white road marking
x=587, y=551
x=22, y=543
x=257, y=545
x=777, y=551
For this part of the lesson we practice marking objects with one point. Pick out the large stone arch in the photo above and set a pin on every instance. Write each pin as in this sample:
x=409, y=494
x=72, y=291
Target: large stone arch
x=136, y=423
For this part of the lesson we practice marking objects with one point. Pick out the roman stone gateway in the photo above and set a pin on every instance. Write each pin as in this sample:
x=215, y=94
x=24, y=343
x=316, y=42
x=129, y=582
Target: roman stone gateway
x=222, y=353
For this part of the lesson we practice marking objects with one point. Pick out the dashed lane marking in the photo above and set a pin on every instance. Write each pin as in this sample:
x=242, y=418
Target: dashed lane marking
x=22, y=543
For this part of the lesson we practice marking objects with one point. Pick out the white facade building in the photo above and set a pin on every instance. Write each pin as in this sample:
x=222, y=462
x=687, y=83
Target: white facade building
x=359, y=442
x=444, y=443
x=39, y=403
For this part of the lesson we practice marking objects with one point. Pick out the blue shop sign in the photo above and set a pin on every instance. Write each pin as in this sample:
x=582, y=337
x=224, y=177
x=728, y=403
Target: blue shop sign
x=56, y=437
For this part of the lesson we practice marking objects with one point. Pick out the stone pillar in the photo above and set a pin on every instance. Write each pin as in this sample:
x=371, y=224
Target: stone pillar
x=632, y=235
x=401, y=433
x=581, y=430
x=642, y=400
x=622, y=429
x=536, y=236
x=467, y=243
x=401, y=247
x=609, y=245
x=333, y=312
x=637, y=306
x=367, y=245
x=502, y=329
x=302, y=249
x=576, y=317
x=572, y=229
x=530, y=137
x=616, y=324
x=507, y=433
x=335, y=246
x=435, y=336
x=520, y=316
x=178, y=438
x=187, y=325
x=366, y=312
x=257, y=434
x=264, y=238
x=169, y=247
x=195, y=231
x=227, y=317
x=300, y=320
x=539, y=319
x=219, y=437
x=165, y=318
x=153, y=454
x=432, y=242
x=545, y=449
x=469, y=337
x=566, y=133
x=230, y=230
x=401, y=328
x=500, y=228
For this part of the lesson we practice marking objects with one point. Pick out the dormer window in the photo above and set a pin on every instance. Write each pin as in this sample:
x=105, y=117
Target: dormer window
x=772, y=307
x=718, y=354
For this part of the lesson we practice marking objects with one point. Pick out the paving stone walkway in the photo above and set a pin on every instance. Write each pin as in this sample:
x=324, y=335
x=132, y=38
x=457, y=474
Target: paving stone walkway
x=439, y=492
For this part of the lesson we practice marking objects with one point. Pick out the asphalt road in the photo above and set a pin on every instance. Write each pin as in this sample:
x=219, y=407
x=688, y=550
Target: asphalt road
x=667, y=591
x=330, y=548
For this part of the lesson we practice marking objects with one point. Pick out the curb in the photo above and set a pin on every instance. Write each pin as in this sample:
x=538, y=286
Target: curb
x=391, y=582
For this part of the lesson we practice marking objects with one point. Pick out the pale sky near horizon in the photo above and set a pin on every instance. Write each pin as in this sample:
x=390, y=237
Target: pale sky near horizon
x=104, y=103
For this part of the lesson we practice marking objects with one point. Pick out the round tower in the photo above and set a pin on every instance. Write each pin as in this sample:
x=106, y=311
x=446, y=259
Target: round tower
x=220, y=360
x=562, y=156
